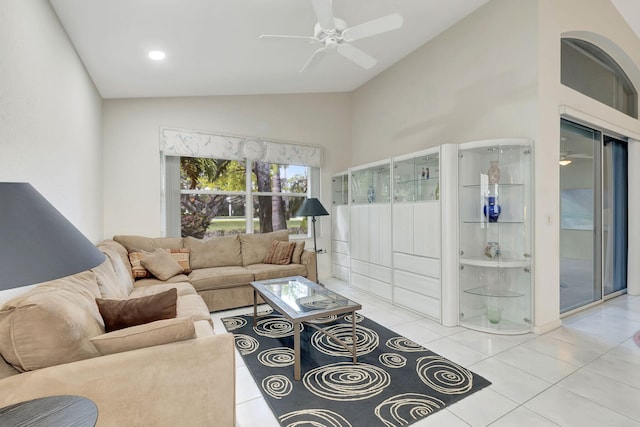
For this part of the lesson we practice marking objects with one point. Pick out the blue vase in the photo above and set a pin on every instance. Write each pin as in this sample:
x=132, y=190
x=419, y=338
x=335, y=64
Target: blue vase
x=492, y=209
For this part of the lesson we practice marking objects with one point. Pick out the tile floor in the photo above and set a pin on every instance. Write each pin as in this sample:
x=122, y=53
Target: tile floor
x=586, y=373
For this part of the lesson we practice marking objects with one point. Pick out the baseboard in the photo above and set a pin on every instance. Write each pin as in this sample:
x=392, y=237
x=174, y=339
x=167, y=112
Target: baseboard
x=543, y=329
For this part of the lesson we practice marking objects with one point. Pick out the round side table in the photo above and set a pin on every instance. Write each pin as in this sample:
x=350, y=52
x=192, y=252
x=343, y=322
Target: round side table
x=71, y=411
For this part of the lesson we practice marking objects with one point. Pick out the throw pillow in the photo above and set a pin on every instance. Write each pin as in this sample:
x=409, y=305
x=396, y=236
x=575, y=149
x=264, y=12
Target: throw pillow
x=161, y=264
x=119, y=314
x=147, y=335
x=140, y=272
x=280, y=253
x=297, y=252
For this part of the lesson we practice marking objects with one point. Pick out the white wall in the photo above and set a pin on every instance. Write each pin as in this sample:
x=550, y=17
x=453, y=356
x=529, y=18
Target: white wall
x=475, y=81
x=131, y=134
x=50, y=114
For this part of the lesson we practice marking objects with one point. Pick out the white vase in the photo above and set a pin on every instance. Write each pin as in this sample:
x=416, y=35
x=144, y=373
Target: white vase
x=493, y=172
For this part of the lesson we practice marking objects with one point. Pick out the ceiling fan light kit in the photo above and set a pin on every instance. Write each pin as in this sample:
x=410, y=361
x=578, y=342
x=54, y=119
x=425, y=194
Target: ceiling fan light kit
x=334, y=35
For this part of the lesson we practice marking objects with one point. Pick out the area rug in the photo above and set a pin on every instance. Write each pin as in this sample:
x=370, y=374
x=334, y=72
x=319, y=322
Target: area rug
x=396, y=382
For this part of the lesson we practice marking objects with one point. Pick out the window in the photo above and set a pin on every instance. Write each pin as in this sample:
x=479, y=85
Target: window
x=220, y=197
x=592, y=72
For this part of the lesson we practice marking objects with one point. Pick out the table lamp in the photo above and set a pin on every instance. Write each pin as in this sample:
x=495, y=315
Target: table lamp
x=37, y=243
x=313, y=208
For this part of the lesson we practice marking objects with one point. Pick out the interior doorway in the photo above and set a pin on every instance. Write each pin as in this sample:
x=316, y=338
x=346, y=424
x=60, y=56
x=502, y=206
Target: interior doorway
x=593, y=215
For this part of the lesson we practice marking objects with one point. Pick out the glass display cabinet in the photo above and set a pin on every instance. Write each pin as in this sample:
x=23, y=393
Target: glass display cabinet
x=417, y=178
x=371, y=184
x=340, y=193
x=495, y=232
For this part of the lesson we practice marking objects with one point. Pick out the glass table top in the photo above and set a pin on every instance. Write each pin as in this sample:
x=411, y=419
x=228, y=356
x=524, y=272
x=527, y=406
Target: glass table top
x=301, y=297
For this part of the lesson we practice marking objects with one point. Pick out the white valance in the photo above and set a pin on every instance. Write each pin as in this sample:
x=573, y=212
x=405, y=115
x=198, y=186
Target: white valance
x=190, y=143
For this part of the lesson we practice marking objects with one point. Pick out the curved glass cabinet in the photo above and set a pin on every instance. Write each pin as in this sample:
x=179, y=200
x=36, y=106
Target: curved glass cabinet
x=340, y=189
x=495, y=225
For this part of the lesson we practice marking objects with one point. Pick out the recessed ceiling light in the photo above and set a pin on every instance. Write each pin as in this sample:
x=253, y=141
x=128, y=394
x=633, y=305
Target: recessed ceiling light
x=157, y=55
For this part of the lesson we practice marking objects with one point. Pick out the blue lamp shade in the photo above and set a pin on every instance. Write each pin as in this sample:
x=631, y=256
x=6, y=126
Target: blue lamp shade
x=37, y=243
x=312, y=207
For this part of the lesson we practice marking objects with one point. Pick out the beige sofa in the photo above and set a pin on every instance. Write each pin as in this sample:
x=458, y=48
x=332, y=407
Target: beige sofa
x=164, y=373
x=221, y=268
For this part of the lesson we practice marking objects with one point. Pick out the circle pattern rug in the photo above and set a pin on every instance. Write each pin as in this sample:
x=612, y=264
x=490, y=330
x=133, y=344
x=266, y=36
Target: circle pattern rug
x=396, y=382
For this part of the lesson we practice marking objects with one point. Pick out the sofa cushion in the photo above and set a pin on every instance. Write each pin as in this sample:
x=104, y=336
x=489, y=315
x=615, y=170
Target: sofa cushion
x=109, y=284
x=119, y=314
x=220, y=277
x=119, y=258
x=161, y=264
x=214, y=252
x=146, y=335
x=152, y=281
x=271, y=271
x=256, y=246
x=148, y=244
x=51, y=324
x=280, y=252
x=194, y=307
x=183, y=288
x=296, y=258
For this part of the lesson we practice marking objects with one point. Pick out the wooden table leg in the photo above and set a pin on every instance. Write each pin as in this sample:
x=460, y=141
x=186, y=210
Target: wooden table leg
x=296, y=350
x=354, y=348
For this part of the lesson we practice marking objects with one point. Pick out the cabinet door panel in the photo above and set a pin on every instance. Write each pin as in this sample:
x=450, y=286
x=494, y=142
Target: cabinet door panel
x=360, y=267
x=403, y=228
x=340, y=222
x=420, y=303
x=426, y=229
x=380, y=273
x=381, y=289
x=360, y=282
x=385, y=235
x=359, y=233
x=340, y=247
x=419, y=265
x=421, y=284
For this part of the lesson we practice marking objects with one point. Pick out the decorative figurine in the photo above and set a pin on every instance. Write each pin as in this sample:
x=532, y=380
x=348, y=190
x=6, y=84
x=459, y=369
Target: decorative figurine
x=492, y=250
x=493, y=172
x=492, y=208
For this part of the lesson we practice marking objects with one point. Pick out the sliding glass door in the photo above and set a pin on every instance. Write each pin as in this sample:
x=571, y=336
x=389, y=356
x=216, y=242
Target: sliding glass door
x=593, y=227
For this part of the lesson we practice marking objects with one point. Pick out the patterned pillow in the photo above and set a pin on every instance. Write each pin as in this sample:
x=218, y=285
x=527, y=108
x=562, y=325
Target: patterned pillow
x=139, y=272
x=280, y=253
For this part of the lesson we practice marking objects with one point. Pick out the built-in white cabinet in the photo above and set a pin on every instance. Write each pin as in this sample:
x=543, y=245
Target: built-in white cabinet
x=416, y=233
x=370, y=229
x=340, y=254
x=494, y=203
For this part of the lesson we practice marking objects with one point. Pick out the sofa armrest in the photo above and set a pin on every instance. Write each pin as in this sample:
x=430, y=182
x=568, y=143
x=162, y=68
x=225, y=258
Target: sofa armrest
x=186, y=383
x=309, y=259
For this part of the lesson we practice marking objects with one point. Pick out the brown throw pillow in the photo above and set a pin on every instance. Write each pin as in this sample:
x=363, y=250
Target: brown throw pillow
x=140, y=272
x=161, y=264
x=119, y=314
x=280, y=253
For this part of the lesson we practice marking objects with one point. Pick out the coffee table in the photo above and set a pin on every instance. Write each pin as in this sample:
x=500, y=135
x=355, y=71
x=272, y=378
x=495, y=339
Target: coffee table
x=71, y=411
x=300, y=300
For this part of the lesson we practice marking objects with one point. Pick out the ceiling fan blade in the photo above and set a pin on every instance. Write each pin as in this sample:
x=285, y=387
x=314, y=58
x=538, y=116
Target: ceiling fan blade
x=313, y=61
x=283, y=37
x=361, y=58
x=324, y=13
x=373, y=27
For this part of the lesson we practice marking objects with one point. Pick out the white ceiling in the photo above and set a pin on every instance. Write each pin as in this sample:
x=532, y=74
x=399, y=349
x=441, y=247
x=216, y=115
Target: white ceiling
x=213, y=48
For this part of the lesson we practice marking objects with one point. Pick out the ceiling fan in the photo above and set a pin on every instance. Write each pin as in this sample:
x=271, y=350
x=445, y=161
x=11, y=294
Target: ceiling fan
x=333, y=34
x=567, y=156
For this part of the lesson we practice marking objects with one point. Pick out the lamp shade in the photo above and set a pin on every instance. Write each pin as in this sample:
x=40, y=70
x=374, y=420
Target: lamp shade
x=37, y=243
x=312, y=207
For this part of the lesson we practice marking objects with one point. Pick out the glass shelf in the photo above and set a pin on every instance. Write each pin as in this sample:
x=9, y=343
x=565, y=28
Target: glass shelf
x=417, y=178
x=488, y=292
x=340, y=186
x=496, y=263
x=371, y=184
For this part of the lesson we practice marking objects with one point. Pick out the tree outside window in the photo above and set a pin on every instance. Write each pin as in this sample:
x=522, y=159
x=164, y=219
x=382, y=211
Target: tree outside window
x=215, y=200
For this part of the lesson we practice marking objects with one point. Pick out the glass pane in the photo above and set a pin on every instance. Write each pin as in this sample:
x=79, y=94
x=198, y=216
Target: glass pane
x=212, y=174
x=272, y=213
x=614, y=218
x=274, y=178
x=580, y=281
x=205, y=215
